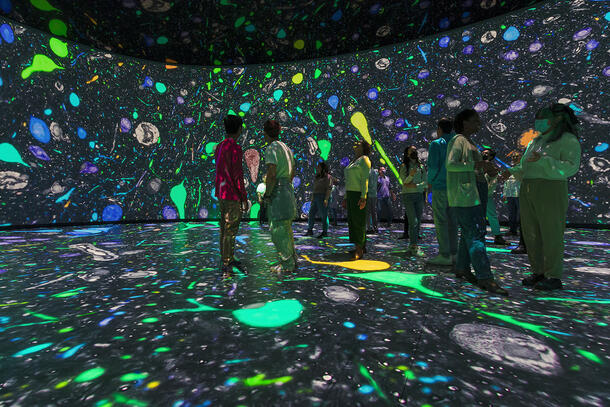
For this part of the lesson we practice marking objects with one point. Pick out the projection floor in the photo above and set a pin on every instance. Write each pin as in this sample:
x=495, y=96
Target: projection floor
x=139, y=315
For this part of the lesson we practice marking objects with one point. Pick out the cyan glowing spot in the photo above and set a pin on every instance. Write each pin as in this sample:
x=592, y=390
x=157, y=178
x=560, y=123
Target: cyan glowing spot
x=39, y=130
x=6, y=32
x=89, y=375
x=244, y=107
x=161, y=88
x=32, y=349
x=41, y=63
x=178, y=195
x=65, y=196
x=425, y=109
x=43, y=5
x=271, y=315
x=359, y=122
x=277, y=95
x=404, y=279
x=74, y=99
x=333, y=101
x=9, y=154
x=601, y=147
x=71, y=351
x=349, y=324
x=59, y=47
x=511, y=34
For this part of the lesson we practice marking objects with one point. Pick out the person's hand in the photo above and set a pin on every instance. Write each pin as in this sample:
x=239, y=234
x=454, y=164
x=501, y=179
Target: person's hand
x=393, y=196
x=325, y=203
x=244, y=206
x=411, y=185
x=361, y=203
x=344, y=204
x=535, y=156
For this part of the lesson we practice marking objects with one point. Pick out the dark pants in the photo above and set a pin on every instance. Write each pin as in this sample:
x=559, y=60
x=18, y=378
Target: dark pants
x=318, y=207
x=471, y=246
x=513, y=213
x=385, y=209
x=356, y=219
x=262, y=213
x=483, y=189
x=414, y=206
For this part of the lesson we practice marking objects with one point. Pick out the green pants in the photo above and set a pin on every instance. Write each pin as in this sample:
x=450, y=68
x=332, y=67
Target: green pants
x=282, y=238
x=230, y=215
x=282, y=211
x=544, y=204
x=356, y=219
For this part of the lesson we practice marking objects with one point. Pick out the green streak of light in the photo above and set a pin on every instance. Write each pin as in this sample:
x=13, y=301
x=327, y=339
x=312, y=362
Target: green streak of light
x=604, y=301
x=43, y=316
x=392, y=277
x=200, y=307
x=366, y=374
x=68, y=293
x=129, y=377
x=312, y=118
x=388, y=161
x=324, y=146
x=259, y=380
x=119, y=398
x=271, y=315
x=591, y=356
x=539, y=329
x=43, y=5
x=90, y=374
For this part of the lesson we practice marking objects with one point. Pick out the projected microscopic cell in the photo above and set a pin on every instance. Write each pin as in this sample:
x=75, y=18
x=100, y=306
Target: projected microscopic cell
x=156, y=6
x=339, y=293
x=382, y=63
x=599, y=164
x=489, y=36
x=58, y=133
x=146, y=133
x=97, y=253
x=13, y=180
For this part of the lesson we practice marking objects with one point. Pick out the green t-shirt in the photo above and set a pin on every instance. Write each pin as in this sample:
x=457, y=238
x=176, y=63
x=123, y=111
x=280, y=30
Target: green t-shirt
x=279, y=154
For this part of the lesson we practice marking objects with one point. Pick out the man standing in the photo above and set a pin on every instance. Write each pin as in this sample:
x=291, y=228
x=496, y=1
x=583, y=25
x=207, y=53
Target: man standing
x=444, y=222
x=371, y=205
x=384, y=192
x=280, y=196
x=230, y=191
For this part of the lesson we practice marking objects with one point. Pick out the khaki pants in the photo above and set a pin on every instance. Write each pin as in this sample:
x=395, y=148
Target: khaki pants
x=283, y=239
x=230, y=215
x=544, y=204
x=445, y=224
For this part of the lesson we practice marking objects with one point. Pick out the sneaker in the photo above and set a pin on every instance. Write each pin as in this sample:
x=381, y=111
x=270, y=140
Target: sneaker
x=489, y=284
x=549, y=284
x=322, y=235
x=440, y=261
x=416, y=251
x=499, y=240
x=466, y=275
x=532, y=280
x=309, y=233
x=519, y=250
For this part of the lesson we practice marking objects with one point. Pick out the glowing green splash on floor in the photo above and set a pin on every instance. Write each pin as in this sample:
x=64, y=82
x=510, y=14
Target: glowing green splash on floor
x=59, y=47
x=9, y=154
x=32, y=349
x=68, y=293
x=89, y=375
x=43, y=5
x=591, y=356
x=324, y=146
x=259, y=380
x=271, y=315
x=539, y=329
x=359, y=122
x=200, y=307
x=119, y=398
x=130, y=377
x=372, y=381
x=150, y=320
x=41, y=63
x=178, y=195
x=392, y=277
x=42, y=316
x=603, y=301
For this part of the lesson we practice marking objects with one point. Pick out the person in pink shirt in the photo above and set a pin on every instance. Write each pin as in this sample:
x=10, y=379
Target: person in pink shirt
x=230, y=191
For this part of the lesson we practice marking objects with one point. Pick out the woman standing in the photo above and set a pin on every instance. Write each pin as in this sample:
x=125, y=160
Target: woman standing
x=356, y=186
x=322, y=185
x=549, y=160
x=413, y=177
x=279, y=196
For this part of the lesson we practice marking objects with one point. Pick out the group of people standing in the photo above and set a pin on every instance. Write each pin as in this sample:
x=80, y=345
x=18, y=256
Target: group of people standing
x=460, y=175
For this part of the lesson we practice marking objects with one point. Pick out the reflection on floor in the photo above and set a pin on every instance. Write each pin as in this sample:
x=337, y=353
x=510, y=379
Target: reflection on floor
x=139, y=315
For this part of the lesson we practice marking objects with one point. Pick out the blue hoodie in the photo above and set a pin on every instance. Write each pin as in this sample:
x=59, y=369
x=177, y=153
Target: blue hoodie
x=437, y=156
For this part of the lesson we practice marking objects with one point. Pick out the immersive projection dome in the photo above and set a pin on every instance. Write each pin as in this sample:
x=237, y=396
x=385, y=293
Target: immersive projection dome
x=90, y=136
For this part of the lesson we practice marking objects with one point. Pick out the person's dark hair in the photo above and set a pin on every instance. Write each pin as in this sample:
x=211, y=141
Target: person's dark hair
x=325, y=170
x=232, y=123
x=446, y=125
x=272, y=128
x=407, y=161
x=491, y=153
x=567, y=124
x=366, y=148
x=461, y=117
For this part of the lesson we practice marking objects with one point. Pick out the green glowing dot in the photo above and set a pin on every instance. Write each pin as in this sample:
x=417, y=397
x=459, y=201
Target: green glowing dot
x=59, y=47
x=126, y=357
x=210, y=148
x=150, y=320
x=58, y=27
x=298, y=78
x=277, y=95
x=281, y=33
x=162, y=40
x=271, y=315
x=160, y=87
x=324, y=146
x=240, y=21
x=64, y=330
x=591, y=356
x=162, y=349
x=317, y=74
x=89, y=375
x=135, y=115
x=43, y=5
x=268, y=75
x=40, y=63
x=129, y=377
x=318, y=44
x=299, y=44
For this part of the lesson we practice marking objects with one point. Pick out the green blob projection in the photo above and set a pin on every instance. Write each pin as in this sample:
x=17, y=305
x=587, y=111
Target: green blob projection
x=178, y=196
x=591, y=356
x=271, y=315
x=129, y=377
x=43, y=5
x=324, y=146
x=254, y=211
x=32, y=349
x=393, y=277
x=539, y=329
x=89, y=375
x=59, y=47
x=9, y=154
x=259, y=380
x=40, y=63
x=58, y=27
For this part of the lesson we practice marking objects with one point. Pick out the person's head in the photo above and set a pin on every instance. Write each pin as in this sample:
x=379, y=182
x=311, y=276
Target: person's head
x=445, y=126
x=515, y=157
x=233, y=125
x=467, y=122
x=272, y=130
x=382, y=171
x=553, y=121
x=362, y=148
x=488, y=154
x=322, y=169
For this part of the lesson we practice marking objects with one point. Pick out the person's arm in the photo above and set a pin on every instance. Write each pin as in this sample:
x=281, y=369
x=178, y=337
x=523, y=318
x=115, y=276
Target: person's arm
x=455, y=161
x=434, y=162
x=365, y=170
x=423, y=182
x=568, y=162
x=271, y=179
x=329, y=188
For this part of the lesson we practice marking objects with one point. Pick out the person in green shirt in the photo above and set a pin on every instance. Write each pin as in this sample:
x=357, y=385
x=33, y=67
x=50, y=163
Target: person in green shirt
x=413, y=176
x=356, y=186
x=549, y=160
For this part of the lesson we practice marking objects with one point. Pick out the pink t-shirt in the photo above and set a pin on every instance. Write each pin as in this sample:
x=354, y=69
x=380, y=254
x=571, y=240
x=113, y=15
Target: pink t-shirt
x=229, y=171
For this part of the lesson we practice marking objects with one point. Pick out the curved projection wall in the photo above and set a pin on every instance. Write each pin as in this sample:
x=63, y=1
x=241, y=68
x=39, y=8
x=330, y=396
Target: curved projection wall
x=88, y=136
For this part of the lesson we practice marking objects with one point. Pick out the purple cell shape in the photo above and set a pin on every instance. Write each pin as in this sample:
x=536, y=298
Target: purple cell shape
x=606, y=71
x=386, y=113
x=517, y=105
x=529, y=22
x=444, y=42
x=440, y=96
x=169, y=212
x=148, y=82
x=112, y=213
x=399, y=122
x=511, y=55
x=592, y=44
x=402, y=136
x=180, y=100
x=423, y=74
x=354, y=69
x=296, y=182
x=468, y=49
x=39, y=153
x=535, y=46
x=462, y=80
x=582, y=34
x=88, y=168
x=189, y=120
x=125, y=125
x=344, y=162
x=481, y=106
x=372, y=94
x=203, y=213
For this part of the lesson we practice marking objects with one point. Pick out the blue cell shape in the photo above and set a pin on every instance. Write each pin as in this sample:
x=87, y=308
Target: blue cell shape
x=74, y=99
x=112, y=213
x=296, y=182
x=529, y=22
x=444, y=42
x=148, y=82
x=402, y=136
x=468, y=49
x=372, y=94
x=601, y=147
x=333, y=101
x=444, y=23
x=40, y=130
x=423, y=74
x=169, y=212
x=244, y=107
x=250, y=28
x=6, y=6
x=366, y=389
x=1, y=83
x=39, y=153
x=337, y=15
x=592, y=44
x=425, y=109
x=306, y=207
x=511, y=34
x=6, y=32
x=462, y=80
x=345, y=161
x=82, y=133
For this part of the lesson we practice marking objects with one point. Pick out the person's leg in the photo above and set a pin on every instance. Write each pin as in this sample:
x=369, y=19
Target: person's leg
x=511, y=205
x=356, y=220
x=551, y=203
x=473, y=232
x=222, y=208
x=390, y=213
x=483, y=189
x=313, y=210
x=462, y=263
x=369, y=213
x=530, y=227
x=452, y=227
x=231, y=215
x=441, y=220
x=373, y=210
x=351, y=206
x=410, y=202
x=419, y=210
x=492, y=217
x=324, y=214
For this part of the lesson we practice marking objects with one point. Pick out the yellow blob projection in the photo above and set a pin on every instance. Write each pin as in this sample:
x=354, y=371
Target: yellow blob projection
x=361, y=265
x=359, y=122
